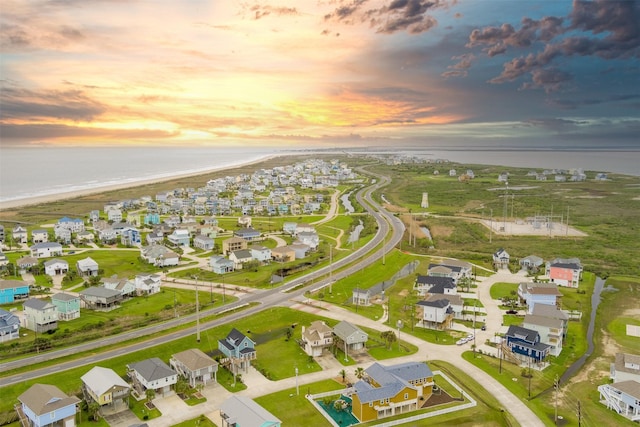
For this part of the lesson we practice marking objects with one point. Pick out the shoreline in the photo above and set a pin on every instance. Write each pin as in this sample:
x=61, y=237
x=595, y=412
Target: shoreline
x=66, y=195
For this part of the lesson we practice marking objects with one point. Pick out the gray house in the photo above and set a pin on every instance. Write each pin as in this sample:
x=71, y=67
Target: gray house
x=195, y=366
x=99, y=298
x=242, y=411
x=353, y=337
x=40, y=315
x=152, y=374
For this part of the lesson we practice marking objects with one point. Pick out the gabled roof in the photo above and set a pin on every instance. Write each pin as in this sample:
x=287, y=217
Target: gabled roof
x=242, y=253
x=243, y=411
x=548, y=322
x=152, y=369
x=44, y=398
x=87, y=263
x=10, y=284
x=549, y=311
x=55, y=261
x=61, y=296
x=99, y=291
x=630, y=387
x=570, y=266
x=50, y=245
x=194, y=359
x=623, y=359
x=37, y=304
x=392, y=380
x=522, y=333
x=100, y=380
x=535, y=288
x=234, y=338
x=345, y=329
x=8, y=319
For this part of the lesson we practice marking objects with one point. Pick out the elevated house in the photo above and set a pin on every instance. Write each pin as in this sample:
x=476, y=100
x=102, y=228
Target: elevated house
x=501, y=259
x=67, y=306
x=525, y=344
x=352, y=337
x=46, y=250
x=623, y=398
x=239, y=349
x=12, y=290
x=203, y=242
x=533, y=293
x=40, y=315
x=437, y=312
x=391, y=390
x=361, y=296
x=248, y=234
x=147, y=284
x=159, y=256
x=239, y=411
x=107, y=389
x=221, y=265
x=300, y=249
x=25, y=263
x=260, y=253
x=87, y=267
x=180, y=237
x=565, y=272
x=551, y=331
x=39, y=236
x=434, y=285
x=240, y=258
x=283, y=254
x=56, y=266
x=100, y=298
x=309, y=238
x=62, y=234
x=626, y=367
x=75, y=225
x=233, y=244
x=9, y=326
x=125, y=286
x=454, y=269
x=195, y=366
x=316, y=338
x=152, y=374
x=47, y=405
x=19, y=234
x=532, y=263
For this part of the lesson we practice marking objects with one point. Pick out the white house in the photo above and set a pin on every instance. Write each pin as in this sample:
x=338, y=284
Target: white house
x=46, y=250
x=87, y=267
x=203, y=242
x=625, y=368
x=316, y=338
x=159, y=256
x=56, y=266
x=501, y=258
x=353, y=337
x=39, y=236
x=152, y=374
x=260, y=253
x=539, y=293
x=147, y=284
x=240, y=257
x=551, y=331
x=180, y=237
x=437, y=313
x=309, y=238
x=622, y=397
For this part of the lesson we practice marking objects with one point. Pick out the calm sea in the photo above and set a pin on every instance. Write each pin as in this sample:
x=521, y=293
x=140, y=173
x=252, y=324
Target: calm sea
x=36, y=171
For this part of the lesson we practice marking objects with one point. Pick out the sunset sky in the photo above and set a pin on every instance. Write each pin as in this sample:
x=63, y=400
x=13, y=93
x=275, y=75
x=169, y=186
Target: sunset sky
x=358, y=72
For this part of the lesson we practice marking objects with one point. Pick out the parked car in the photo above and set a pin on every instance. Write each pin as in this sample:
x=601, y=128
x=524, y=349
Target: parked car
x=483, y=328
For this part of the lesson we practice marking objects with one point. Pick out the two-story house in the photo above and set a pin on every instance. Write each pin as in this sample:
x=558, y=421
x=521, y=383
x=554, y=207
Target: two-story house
x=240, y=258
x=626, y=367
x=19, y=234
x=40, y=315
x=56, y=266
x=533, y=293
x=220, y=264
x=152, y=374
x=501, y=259
x=11, y=290
x=147, y=284
x=525, y=344
x=195, y=366
x=40, y=236
x=9, y=326
x=391, y=390
x=233, y=244
x=260, y=253
x=454, y=269
x=106, y=388
x=352, y=337
x=551, y=331
x=46, y=250
x=239, y=348
x=47, y=405
x=565, y=272
x=159, y=256
x=203, y=242
x=437, y=312
x=87, y=267
x=67, y=306
x=316, y=338
x=434, y=285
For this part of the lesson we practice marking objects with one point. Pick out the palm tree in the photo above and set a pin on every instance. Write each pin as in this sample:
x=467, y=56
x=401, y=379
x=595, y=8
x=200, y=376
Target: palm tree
x=359, y=373
x=343, y=374
x=389, y=337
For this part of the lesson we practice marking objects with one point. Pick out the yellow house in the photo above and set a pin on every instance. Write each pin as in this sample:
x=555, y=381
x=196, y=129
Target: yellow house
x=104, y=386
x=391, y=390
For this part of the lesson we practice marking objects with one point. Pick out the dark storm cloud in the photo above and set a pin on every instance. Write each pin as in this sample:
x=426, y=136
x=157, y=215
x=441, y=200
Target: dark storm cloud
x=573, y=103
x=600, y=28
x=29, y=105
x=398, y=15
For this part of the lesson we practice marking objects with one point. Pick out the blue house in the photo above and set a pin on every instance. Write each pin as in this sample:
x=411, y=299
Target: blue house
x=221, y=265
x=45, y=404
x=10, y=290
x=152, y=218
x=525, y=344
x=239, y=348
x=130, y=236
x=9, y=326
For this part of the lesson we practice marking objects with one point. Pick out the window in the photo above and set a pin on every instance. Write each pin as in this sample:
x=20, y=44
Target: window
x=381, y=401
x=370, y=404
x=406, y=396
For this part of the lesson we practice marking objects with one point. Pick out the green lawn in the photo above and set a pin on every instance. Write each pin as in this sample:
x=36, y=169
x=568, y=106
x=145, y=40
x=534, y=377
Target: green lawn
x=295, y=410
x=502, y=289
x=200, y=421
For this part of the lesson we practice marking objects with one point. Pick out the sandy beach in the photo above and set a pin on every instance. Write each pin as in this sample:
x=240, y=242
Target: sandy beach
x=37, y=200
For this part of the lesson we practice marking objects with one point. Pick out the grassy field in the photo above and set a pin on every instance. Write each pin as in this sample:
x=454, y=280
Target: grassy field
x=502, y=289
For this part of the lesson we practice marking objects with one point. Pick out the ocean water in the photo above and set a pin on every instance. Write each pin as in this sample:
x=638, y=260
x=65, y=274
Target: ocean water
x=37, y=171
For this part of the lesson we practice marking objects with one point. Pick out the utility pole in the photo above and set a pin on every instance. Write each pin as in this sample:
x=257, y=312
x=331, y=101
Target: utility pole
x=474, y=325
x=384, y=243
x=579, y=415
x=555, y=386
x=529, y=375
x=491, y=226
x=330, y=268
x=223, y=296
x=197, y=313
x=501, y=349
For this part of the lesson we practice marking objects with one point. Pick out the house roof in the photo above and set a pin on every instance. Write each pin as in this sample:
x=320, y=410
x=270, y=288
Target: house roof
x=55, y=261
x=535, y=288
x=392, y=380
x=99, y=291
x=37, y=304
x=234, y=337
x=87, y=263
x=10, y=284
x=44, y=245
x=549, y=322
x=61, y=296
x=316, y=330
x=100, y=380
x=245, y=412
x=622, y=359
x=242, y=254
x=194, y=359
x=533, y=259
x=630, y=387
x=45, y=398
x=258, y=248
x=549, y=311
x=282, y=250
x=8, y=319
x=523, y=333
x=152, y=369
x=345, y=329
x=569, y=266
x=437, y=301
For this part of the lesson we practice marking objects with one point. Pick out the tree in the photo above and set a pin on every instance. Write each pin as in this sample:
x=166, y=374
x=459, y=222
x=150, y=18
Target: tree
x=389, y=337
x=93, y=409
x=151, y=394
x=182, y=386
x=343, y=374
x=289, y=333
x=359, y=373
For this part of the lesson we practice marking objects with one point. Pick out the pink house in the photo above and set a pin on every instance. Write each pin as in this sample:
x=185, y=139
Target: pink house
x=565, y=273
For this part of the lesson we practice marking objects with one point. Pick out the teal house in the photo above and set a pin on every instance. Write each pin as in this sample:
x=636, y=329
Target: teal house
x=68, y=306
x=11, y=290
